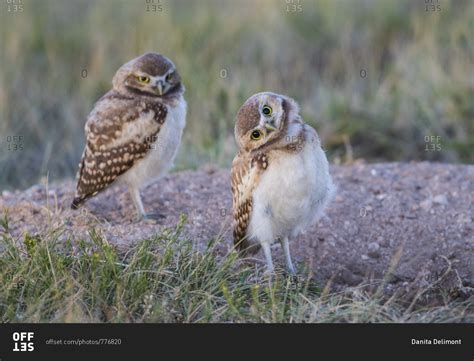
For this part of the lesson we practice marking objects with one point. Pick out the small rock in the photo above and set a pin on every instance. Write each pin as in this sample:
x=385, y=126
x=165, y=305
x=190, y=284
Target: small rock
x=426, y=204
x=373, y=246
x=150, y=221
x=374, y=250
x=440, y=199
x=349, y=277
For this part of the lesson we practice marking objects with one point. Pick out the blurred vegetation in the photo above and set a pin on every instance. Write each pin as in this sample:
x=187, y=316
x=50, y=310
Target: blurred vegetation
x=377, y=79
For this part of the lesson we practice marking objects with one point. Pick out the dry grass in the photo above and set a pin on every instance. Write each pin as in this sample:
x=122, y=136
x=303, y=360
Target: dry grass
x=418, y=65
x=164, y=279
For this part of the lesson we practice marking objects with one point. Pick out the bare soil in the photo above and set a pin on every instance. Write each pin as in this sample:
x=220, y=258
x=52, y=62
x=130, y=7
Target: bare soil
x=409, y=224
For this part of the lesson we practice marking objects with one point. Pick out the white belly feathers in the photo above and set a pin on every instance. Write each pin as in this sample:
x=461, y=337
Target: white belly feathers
x=292, y=192
x=163, y=151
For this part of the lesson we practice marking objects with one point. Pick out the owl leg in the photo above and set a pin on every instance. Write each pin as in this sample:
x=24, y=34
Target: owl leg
x=268, y=256
x=137, y=200
x=286, y=249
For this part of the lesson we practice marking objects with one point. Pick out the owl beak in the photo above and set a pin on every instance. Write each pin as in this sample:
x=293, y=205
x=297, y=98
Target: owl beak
x=159, y=87
x=270, y=127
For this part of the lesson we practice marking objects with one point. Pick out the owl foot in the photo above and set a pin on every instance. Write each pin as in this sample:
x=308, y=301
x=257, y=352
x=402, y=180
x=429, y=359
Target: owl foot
x=156, y=216
x=269, y=275
x=286, y=250
x=291, y=270
x=150, y=217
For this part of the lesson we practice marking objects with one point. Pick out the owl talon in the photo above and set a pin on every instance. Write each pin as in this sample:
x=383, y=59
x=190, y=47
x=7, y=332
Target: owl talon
x=291, y=271
x=139, y=218
x=269, y=274
x=144, y=218
x=155, y=216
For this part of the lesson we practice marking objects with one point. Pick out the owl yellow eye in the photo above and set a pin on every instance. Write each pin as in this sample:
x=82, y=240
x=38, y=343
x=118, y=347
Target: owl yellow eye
x=267, y=111
x=256, y=135
x=168, y=77
x=143, y=79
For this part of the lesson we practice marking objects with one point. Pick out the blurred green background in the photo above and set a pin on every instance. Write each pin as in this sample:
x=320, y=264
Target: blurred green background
x=379, y=80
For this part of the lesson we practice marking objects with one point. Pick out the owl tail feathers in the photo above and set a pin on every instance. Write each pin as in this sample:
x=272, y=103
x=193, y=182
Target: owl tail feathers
x=77, y=201
x=246, y=247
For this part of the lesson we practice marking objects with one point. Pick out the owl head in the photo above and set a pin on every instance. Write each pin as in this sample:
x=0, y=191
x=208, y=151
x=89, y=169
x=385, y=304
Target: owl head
x=264, y=120
x=151, y=75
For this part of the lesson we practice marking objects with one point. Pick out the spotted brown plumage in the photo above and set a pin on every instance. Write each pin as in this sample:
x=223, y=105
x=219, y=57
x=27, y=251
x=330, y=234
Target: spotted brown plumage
x=134, y=131
x=246, y=171
x=111, y=150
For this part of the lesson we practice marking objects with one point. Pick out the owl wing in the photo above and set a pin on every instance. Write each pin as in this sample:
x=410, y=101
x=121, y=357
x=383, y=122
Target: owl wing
x=119, y=132
x=245, y=176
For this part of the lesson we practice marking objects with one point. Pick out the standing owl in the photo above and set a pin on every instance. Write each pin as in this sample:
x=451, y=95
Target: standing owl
x=280, y=177
x=134, y=131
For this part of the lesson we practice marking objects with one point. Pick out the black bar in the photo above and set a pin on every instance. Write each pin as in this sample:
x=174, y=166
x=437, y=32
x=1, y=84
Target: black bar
x=174, y=342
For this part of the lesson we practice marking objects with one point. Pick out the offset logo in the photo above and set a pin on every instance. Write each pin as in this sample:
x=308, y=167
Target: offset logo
x=23, y=341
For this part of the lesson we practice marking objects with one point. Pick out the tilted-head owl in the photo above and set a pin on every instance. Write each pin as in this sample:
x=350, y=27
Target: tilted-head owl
x=134, y=131
x=280, y=176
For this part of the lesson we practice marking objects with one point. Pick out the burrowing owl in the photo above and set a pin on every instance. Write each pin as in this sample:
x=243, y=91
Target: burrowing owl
x=134, y=130
x=280, y=176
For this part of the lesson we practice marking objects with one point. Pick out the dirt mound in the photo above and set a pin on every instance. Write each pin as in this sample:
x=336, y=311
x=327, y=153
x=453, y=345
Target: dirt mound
x=410, y=224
